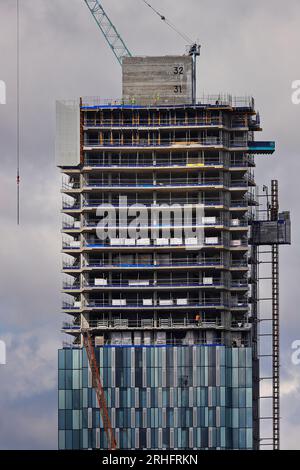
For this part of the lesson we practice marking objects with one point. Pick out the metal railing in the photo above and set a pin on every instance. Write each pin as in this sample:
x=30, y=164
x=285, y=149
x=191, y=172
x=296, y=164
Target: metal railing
x=157, y=343
x=188, y=263
x=238, y=184
x=242, y=242
x=239, y=203
x=179, y=142
x=69, y=345
x=71, y=185
x=70, y=286
x=146, y=324
x=245, y=162
x=71, y=244
x=241, y=324
x=70, y=326
x=239, y=122
x=237, y=143
x=168, y=122
x=96, y=162
x=214, y=100
x=92, y=223
x=147, y=284
x=124, y=182
x=70, y=226
x=241, y=223
x=153, y=142
x=239, y=304
x=100, y=303
x=70, y=266
x=70, y=205
x=70, y=306
x=159, y=204
x=163, y=122
x=151, y=244
x=239, y=284
x=160, y=284
x=239, y=263
x=180, y=262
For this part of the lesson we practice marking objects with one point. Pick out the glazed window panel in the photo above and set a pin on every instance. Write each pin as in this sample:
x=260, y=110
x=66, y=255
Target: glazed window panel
x=189, y=408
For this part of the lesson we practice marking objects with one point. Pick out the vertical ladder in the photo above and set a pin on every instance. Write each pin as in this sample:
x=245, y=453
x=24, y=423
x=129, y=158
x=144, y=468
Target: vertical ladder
x=275, y=323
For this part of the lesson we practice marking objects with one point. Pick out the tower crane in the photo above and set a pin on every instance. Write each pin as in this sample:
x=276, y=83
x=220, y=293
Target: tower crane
x=119, y=47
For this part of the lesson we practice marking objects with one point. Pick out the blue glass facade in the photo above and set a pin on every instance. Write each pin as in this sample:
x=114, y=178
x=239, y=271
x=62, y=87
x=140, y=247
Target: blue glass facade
x=159, y=397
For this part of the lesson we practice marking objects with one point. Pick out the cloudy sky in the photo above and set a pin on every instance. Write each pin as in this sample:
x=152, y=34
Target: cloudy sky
x=247, y=48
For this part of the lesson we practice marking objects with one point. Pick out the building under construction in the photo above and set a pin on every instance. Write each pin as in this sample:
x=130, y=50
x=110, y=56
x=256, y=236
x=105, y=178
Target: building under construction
x=163, y=309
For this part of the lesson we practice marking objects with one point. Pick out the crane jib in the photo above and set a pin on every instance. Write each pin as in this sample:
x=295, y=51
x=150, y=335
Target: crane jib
x=109, y=30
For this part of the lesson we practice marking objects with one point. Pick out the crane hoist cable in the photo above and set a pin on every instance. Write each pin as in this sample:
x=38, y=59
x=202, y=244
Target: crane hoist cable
x=18, y=112
x=193, y=51
x=168, y=22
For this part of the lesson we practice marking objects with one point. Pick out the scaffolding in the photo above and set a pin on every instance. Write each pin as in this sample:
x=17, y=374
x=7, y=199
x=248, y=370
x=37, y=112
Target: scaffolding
x=192, y=297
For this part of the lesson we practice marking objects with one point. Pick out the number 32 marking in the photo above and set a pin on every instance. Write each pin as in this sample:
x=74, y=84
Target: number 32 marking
x=178, y=70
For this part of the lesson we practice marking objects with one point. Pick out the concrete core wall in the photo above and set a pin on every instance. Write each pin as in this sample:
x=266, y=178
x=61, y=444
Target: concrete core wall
x=157, y=80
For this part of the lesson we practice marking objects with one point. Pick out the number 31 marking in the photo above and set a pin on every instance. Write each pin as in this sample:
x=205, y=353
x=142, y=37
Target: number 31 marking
x=177, y=89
